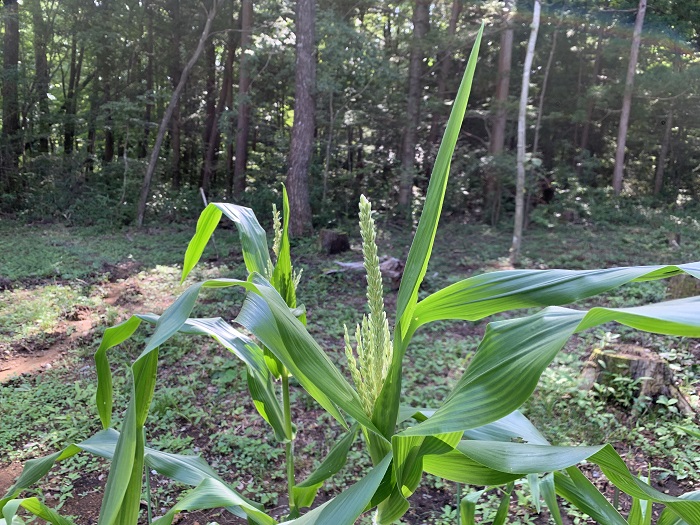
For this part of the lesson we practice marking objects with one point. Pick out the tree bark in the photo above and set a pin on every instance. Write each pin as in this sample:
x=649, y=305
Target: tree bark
x=146, y=186
x=627, y=98
x=543, y=91
x=301, y=146
x=520, y=182
x=41, y=67
x=150, y=94
x=11, y=138
x=421, y=25
x=492, y=189
x=661, y=162
x=175, y=75
x=210, y=121
x=243, y=124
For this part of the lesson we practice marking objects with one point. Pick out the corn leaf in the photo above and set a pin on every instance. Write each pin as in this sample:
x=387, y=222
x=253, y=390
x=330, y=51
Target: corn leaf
x=668, y=517
x=467, y=508
x=483, y=295
x=575, y=488
x=421, y=248
x=252, y=236
x=502, y=512
x=34, y=506
x=550, y=498
x=346, y=507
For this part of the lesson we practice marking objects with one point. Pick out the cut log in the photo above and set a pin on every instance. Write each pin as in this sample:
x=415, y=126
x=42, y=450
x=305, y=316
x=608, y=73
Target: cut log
x=639, y=364
x=391, y=268
x=333, y=242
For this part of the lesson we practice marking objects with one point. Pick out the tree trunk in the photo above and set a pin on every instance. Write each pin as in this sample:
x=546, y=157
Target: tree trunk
x=150, y=94
x=41, y=67
x=445, y=61
x=520, y=182
x=210, y=121
x=146, y=186
x=175, y=75
x=243, y=124
x=11, y=138
x=301, y=146
x=492, y=187
x=421, y=25
x=543, y=90
x=661, y=162
x=627, y=99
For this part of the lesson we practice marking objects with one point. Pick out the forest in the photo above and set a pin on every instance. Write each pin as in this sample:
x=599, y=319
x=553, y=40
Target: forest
x=112, y=109
x=198, y=327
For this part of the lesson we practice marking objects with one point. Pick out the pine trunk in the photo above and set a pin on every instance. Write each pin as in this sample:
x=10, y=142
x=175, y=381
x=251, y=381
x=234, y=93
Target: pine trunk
x=301, y=146
x=11, y=137
x=243, y=124
x=661, y=162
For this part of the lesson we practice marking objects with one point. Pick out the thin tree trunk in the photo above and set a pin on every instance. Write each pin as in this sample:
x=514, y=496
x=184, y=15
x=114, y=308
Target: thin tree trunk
x=224, y=95
x=445, y=60
x=540, y=105
x=41, y=66
x=627, y=99
x=492, y=187
x=146, y=186
x=661, y=162
x=520, y=182
x=243, y=124
x=210, y=121
x=301, y=146
x=150, y=94
x=421, y=25
x=11, y=139
x=175, y=75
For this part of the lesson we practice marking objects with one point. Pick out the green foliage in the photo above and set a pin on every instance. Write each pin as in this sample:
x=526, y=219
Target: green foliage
x=476, y=436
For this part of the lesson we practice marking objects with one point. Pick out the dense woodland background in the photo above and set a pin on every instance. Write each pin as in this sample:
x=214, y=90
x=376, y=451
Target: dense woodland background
x=338, y=97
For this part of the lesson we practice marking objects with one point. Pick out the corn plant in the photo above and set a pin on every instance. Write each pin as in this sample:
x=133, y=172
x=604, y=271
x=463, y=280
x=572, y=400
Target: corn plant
x=476, y=437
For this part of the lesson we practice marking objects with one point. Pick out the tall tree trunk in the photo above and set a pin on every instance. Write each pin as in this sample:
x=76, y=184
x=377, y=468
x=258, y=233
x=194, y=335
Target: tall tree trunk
x=11, y=139
x=421, y=25
x=590, y=104
x=520, y=181
x=73, y=79
x=146, y=186
x=543, y=91
x=41, y=67
x=661, y=162
x=150, y=94
x=302, y=143
x=224, y=95
x=210, y=110
x=492, y=186
x=243, y=124
x=627, y=99
x=175, y=75
x=445, y=61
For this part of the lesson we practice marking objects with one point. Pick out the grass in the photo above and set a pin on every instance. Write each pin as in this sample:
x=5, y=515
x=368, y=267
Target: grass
x=201, y=404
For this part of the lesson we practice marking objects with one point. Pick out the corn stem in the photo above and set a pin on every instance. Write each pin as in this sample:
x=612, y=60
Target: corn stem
x=289, y=446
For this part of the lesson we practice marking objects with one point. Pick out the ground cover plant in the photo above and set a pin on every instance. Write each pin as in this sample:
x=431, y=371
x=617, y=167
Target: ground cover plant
x=476, y=437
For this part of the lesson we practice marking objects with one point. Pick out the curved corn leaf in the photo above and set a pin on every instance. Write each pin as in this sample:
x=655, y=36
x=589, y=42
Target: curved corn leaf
x=346, y=507
x=467, y=508
x=668, y=517
x=456, y=466
x=502, y=512
x=282, y=278
x=422, y=246
x=305, y=492
x=252, y=236
x=483, y=295
x=575, y=488
x=550, y=498
x=211, y=494
x=34, y=506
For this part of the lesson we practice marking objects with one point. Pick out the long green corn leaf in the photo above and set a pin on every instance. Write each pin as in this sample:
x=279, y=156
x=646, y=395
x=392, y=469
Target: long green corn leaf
x=575, y=488
x=467, y=508
x=252, y=236
x=483, y=295
x=305, y=492
x=282, y=278
x=550, y=498
x=421, y=248
x=346, y=507
x=502, y=512
x=34, y=506
x=668, y=517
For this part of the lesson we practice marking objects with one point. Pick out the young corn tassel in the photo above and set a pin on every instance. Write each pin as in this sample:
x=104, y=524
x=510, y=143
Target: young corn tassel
x=374, y=347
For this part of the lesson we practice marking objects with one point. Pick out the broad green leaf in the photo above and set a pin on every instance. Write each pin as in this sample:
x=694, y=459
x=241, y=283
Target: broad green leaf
x=513, y=428
x=668, y=517
x=211, y=494
x=502, y=512
x=282, y=274
x=483, y=295
x=533, y=481
x=550, y=498
x=34, y=506
x=346, y=507
x=467, y=508
x=456, y=466
x=523, y=348
x=305, y=492
x=252, y=236
x=421, y=248
x=575, y=488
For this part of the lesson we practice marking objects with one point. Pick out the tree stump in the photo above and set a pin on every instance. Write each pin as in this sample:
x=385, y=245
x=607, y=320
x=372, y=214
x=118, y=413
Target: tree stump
x=333, y=242
x=639, y=364
x=682, y=286
x=390, y=267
